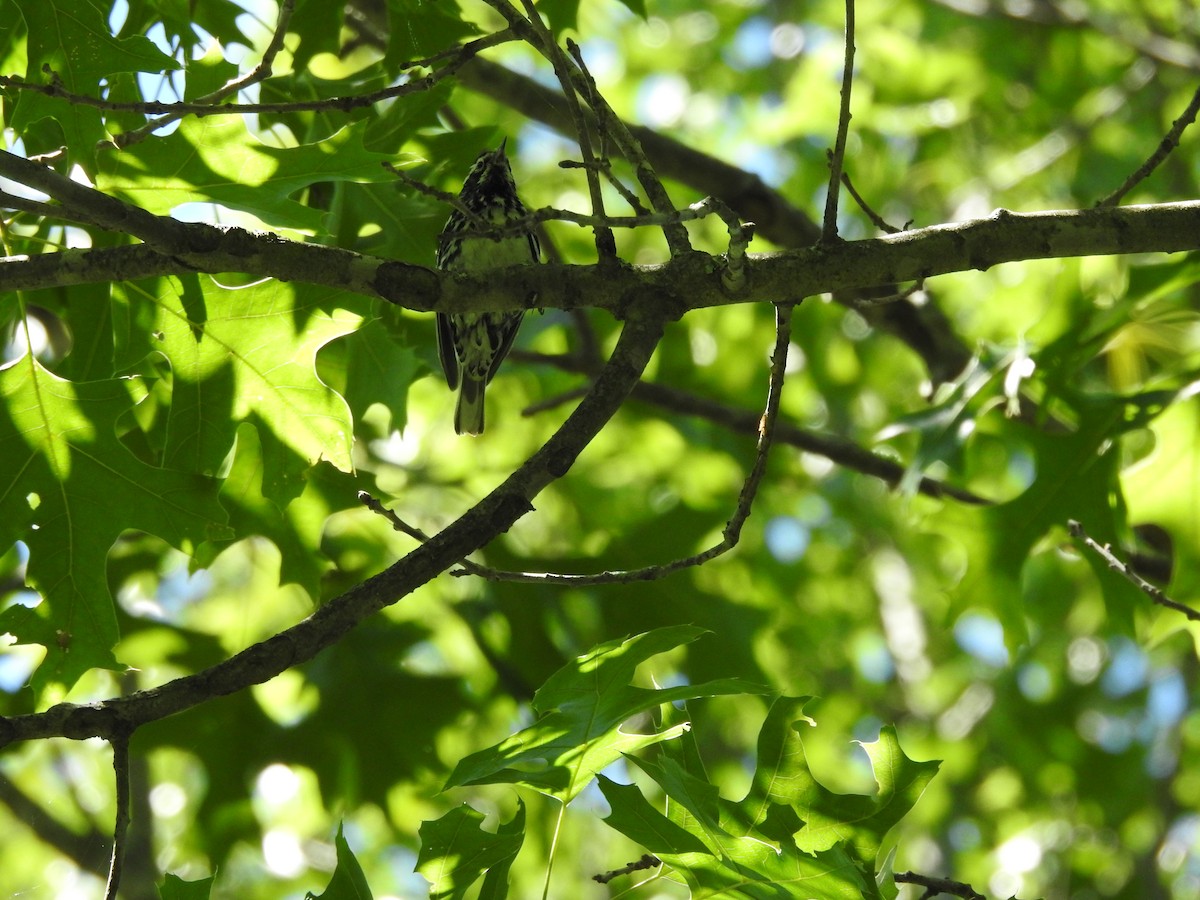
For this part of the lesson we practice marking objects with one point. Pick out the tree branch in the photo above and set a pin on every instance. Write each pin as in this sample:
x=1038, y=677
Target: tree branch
x=119, y=740
x=206, y=106
x=829, y=229
x=259, y=73
x=732, y=532
x=923, y=328
x=84, y=850
x=842, y=451
x=493, y=515
x=934, y=886
x=1111, y=560
x=776, y=277
x=543, y=38
x=1161, y=152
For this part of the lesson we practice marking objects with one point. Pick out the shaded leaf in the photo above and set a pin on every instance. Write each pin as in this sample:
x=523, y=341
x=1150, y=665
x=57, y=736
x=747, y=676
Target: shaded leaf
x=69, y=489
x=175, y=888
x=580, y=711
x=348, y=881
x=456, y=851
x=788, y=832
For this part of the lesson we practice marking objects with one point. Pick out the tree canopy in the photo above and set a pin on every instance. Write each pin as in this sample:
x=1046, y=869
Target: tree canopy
x=835, y=531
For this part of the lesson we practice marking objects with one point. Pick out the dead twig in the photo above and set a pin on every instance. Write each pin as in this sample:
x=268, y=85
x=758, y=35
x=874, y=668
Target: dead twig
x=1110, y=558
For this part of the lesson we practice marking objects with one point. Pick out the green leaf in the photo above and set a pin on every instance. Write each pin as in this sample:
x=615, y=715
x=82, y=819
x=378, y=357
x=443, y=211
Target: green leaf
x=175, y=888
x=207, y=74
x=860, y=822
x=74, y=41
x=246, y=355
x=637, y=7
x=787, y=830
x=217, y=159
x=375, y=661
x=294, y=528
x=378, y=368
x=318, y=24
x=69, y=489
x=217, y=17
x=398, y=122
x=580, y=709
x=348, y=881
x=1077, y=478
x=561, y=14
x=943, y=428
x=419, y=28
x=634, y=817
x=719, y=858
x=456, y=851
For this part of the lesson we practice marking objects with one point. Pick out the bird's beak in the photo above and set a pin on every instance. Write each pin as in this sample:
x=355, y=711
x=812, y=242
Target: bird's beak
x=500, y=149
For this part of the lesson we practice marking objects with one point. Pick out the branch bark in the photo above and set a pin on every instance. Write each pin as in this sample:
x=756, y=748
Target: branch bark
x=789, y=276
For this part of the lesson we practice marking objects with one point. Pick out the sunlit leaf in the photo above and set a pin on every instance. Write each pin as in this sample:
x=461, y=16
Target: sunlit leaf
x=217, y=160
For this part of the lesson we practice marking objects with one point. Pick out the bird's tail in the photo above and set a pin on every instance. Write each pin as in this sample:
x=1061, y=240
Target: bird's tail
x=468, y=412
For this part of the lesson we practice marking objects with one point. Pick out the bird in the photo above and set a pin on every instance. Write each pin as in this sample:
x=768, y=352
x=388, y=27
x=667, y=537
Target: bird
x=472, y=345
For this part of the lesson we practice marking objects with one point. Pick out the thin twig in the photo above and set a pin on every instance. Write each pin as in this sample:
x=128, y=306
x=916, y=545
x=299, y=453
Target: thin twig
x=608, y=122
x=702, y=208
x=480, y=225
x=259, y=73
x=604, y=165
x=373, y=504
x=38, y=208
x=877, y=220
x=733, y=274
x=593, y=161
x=557, y=400
x=1161, y=152
x=868, y=302
x=732, y=532
x=839, y=450
x=85, y=850
x=541, y=38
x=265, y=65
x=829, y=231
x=935, y=886
x=612, y=125
x=120, y=747
x=1106, y=554
x=648, y=861
x=463, y=54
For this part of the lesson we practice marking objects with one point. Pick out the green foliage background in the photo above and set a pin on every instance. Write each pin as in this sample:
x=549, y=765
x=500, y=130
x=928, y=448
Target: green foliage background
x=190, y=450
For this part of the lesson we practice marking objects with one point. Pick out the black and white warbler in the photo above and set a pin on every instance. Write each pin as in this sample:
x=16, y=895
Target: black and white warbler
x=472, y=345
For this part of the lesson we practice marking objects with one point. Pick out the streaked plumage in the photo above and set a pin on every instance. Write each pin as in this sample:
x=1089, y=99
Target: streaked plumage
x=472, y=345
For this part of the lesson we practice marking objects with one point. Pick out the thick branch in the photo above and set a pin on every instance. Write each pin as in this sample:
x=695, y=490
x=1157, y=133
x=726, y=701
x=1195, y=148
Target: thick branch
x=492, y=516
